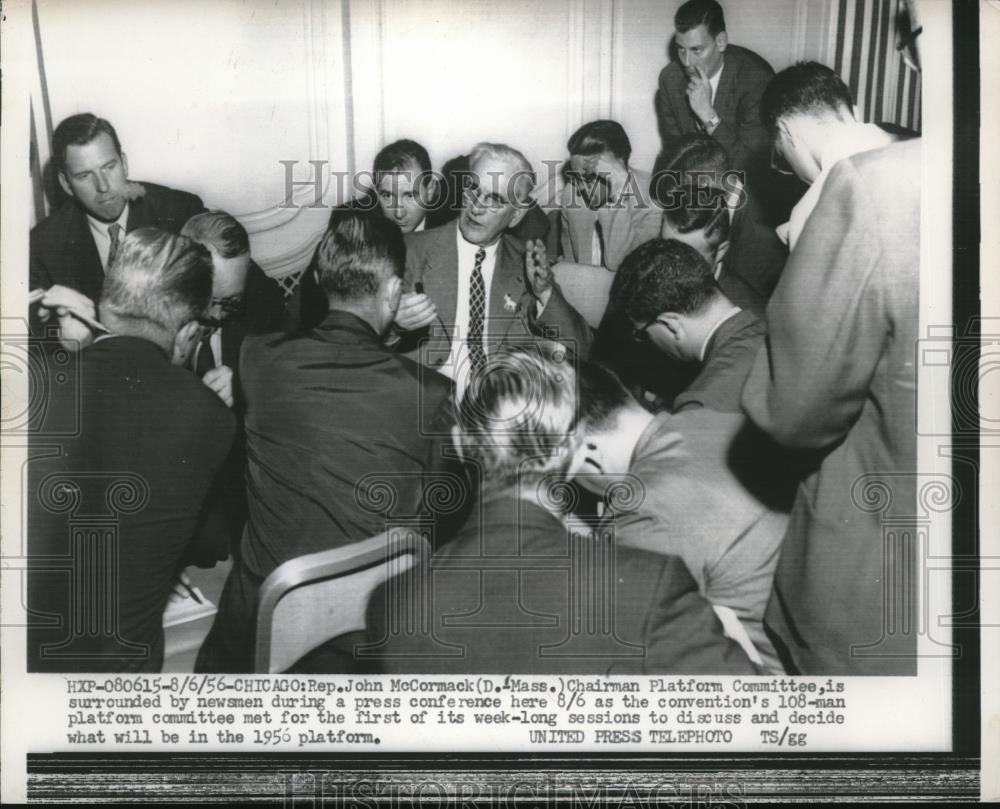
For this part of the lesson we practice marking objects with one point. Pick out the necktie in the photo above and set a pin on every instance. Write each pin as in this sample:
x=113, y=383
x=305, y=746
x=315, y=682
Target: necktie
x=205, y=361
x=115, y=232
x=598, y=243
x=477, y=312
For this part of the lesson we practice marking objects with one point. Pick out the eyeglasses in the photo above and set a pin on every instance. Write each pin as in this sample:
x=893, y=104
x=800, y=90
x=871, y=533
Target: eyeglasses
x=640, y=334
x=492, y=201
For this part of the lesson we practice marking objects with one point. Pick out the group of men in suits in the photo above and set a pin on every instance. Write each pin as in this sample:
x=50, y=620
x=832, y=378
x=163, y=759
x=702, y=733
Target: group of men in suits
x=451, y=350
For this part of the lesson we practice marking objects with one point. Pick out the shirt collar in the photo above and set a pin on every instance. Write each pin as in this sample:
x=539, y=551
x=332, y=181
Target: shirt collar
x=102, y=227
x=465, y=246
x=708, y=337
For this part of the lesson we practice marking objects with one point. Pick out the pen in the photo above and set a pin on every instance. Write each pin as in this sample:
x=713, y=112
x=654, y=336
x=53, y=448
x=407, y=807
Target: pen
x=36, y=295
x=191, y=589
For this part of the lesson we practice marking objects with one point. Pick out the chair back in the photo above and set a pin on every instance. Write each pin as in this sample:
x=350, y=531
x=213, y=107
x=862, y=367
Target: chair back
x=310, y=599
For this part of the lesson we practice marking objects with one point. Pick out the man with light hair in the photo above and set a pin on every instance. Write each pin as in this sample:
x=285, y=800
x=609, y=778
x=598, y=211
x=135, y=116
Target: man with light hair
x=150, y=442
x=471, y=284
x=509, y=590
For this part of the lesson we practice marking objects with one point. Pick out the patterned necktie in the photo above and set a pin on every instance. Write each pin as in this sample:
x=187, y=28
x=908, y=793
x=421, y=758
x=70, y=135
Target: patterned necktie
x=115, y=232
x=598, y=244
x=477, y=312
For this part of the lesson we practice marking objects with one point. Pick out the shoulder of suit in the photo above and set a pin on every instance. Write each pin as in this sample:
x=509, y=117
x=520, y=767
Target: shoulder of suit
x=172, y=195
x=56, y=222
x=747, y=60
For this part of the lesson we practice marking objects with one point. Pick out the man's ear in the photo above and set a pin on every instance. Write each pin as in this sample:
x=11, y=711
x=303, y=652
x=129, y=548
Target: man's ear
x=519, y=213
x=722, y=41
x=185, y=341
x=393, y=292
x=588, y=458
x=674, y=324
x=125, y=164
x=64, y=184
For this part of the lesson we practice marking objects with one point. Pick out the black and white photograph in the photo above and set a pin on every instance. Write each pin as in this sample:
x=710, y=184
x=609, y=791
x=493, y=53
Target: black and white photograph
x=475, y=403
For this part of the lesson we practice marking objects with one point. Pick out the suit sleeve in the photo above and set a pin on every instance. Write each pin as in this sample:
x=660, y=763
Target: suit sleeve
x=683, y=634
x=667, y=119
x=746, y=136
x=560, y=321
x=826, y=321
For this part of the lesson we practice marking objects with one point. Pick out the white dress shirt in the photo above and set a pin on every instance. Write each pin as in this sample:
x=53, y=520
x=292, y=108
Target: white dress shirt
x=458, y=365
x=99, y=230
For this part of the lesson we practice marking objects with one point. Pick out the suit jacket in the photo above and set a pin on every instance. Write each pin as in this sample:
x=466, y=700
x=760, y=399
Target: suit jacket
x=500, y=602
x=838, y=377
x=728, y=359
x=756, y=254
x=432, y=259
x=149, y=440
x=708, y=503
x=325, y=409
x=737, y=103
x=63, y=250
x=624, y=225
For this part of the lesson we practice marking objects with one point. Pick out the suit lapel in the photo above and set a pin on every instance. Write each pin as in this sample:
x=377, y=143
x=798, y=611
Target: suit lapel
x=725, y=96
x=84, y=260
x=140, y=215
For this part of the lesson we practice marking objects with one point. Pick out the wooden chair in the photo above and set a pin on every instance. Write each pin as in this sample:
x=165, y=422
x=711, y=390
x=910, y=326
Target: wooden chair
x=313, y=598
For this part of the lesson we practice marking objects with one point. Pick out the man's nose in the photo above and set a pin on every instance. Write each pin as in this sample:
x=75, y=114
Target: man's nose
x=102, y=182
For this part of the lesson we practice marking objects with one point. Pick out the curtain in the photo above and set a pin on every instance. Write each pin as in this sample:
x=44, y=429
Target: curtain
x=885, y=88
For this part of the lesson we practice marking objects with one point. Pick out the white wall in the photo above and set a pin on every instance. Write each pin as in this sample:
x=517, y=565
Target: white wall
x=208, y=96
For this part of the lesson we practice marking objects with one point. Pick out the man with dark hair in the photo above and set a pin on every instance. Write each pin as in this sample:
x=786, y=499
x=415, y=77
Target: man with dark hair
x=706, y=500
x=405, y=191
x=74, y=245
x=325, y=409
x=755, y=253
x=474, y=284
x=509, y=593
x=667, y=291
x=604, y=208
x=150, y=440
x=714, y=88
x=812, y=115
x=699, y=216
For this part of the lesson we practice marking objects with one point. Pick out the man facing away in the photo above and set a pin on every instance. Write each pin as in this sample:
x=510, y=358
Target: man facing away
x=666, y=290
x=810, y=111
x=150, y=439
x=326, y=409
x=74, y=245
x=714, y=88
x=518, y=592
x=705, y=499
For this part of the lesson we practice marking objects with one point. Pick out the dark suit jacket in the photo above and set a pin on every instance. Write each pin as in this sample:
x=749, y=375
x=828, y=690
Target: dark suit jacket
x=728, y=359
x=325, y=409
x=838, y=376
x=737, y=103
x=150, y=440
x=63, y=250
x=432, y=260
x=756, y=254
x=500, y=602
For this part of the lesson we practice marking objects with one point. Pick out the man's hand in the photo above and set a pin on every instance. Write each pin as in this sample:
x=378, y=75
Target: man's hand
x=699, y=93
x=416, y=310
x=613, y=170
x=538, y=271
x=74, y=334
x=220, y=380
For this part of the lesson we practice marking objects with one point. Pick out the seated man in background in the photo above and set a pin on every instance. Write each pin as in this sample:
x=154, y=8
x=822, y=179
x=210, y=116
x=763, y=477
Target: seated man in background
x=325, y=409
x=405, y=191
x=706, y=499
x=74, y=245
x=244, y=301
x=812, y=115
x=604, y=208
x=755, y=253
x=472, y=286
x=150, y=440
x=667, y=291
x=500, y=595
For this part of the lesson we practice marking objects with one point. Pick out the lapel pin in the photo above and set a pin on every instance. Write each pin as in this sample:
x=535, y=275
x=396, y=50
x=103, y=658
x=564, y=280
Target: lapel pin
x=509, y=304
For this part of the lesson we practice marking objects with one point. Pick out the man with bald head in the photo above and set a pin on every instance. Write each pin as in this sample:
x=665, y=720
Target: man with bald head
x=469, y=283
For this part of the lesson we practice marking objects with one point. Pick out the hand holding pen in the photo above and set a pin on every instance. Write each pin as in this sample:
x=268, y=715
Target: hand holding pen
x=74, y=311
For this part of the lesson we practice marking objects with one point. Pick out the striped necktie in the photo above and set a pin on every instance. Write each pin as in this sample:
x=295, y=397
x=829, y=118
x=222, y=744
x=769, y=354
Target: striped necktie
x=115, y=232
x=477, y=312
